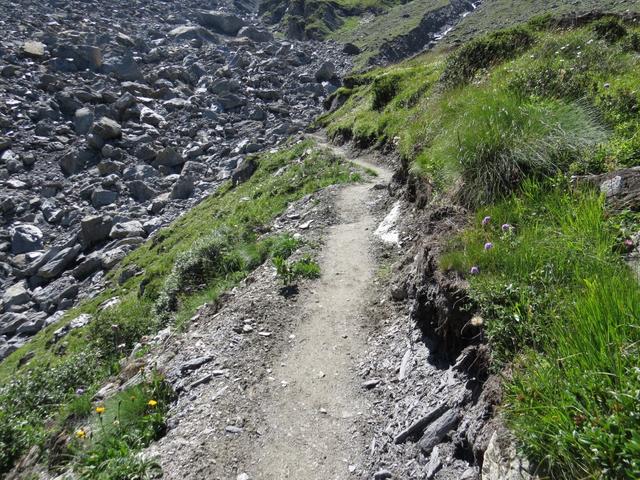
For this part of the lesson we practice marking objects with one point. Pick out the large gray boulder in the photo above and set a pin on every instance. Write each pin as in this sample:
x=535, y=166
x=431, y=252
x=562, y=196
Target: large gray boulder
x=82, y=120
x=95, y=229
x=123, y=68
x=59, y=262
x=221, y=22
x=244, y=171
x=140, y=191
x=192, y=32
x=17, y=294
x=129, y=229
x=50, y=297
x=255, y=34
x=82, y=57
x=106, y=129
x=25, y=238
x=168, y=157
x=183, y=188
x=326, y=72
x=101, y=198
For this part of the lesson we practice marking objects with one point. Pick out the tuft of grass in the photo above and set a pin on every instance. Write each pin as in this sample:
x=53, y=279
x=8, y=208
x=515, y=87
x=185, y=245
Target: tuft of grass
x=558, y=302
x=289, y=272
x=488, y=142
x=610, y=29
x=485, y=52
x=107, y=443
x=384, y=89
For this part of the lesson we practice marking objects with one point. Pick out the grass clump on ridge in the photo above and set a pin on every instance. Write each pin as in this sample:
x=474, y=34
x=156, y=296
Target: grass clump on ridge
x=190, y=262
x=558, y=301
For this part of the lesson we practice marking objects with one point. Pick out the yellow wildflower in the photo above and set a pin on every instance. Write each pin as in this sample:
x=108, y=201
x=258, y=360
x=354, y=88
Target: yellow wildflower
x=81, y=433
x=152, y=403
x=100, y=410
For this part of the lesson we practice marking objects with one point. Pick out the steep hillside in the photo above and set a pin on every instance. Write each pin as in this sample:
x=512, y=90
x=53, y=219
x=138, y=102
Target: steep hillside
x=492, y=15
x=204, y=253
x=499, y=126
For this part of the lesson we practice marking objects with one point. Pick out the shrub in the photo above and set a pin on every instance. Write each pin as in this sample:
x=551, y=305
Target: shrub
x=609, y=29
x=485, y=52
x=288, y=272
x=384, y=89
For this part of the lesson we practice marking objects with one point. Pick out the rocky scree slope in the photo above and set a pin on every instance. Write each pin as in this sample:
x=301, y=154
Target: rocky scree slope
x=115, y=118
x=375, y=32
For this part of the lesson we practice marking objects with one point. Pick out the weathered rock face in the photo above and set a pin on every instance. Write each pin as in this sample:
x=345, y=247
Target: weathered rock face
x=621, y=188
x=111, y=122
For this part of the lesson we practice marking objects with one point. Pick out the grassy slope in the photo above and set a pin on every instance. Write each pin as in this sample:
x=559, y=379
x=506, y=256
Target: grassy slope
x=499, y=125
x=186, y=264
x=370, y=32
x=496, y=14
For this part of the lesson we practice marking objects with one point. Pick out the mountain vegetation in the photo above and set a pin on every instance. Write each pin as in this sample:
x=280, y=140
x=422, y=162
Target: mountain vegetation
x=500, y=125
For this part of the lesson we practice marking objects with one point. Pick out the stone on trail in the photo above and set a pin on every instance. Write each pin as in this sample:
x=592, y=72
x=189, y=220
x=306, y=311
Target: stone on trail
x=438, y=430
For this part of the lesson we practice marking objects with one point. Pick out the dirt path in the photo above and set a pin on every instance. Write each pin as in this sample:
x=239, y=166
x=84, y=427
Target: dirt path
x=283, y=399
x=311, y=421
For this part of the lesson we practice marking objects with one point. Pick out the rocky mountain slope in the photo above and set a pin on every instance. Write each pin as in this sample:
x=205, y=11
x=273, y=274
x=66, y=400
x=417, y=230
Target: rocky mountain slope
x=113, y=124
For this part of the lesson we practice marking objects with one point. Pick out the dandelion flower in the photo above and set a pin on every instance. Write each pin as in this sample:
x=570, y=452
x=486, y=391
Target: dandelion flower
x=152, y=403
x=474, y=270
x=100, y=410
x=486, y=220
x=81, y=434
x=488, y=246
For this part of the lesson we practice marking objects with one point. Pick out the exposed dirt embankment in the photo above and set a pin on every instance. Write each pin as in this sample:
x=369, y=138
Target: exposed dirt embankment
x=435, y=412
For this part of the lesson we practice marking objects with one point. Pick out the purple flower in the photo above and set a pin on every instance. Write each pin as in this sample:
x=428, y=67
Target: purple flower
x=488, y=246
x=80, y=391
x=506, y=227
x=486, y=220
x=474, y=270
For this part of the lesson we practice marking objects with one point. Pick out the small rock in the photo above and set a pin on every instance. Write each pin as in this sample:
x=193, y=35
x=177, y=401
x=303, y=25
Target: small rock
x=382, y=475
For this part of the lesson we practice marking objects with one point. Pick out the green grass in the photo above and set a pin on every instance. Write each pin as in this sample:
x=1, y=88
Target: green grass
x=189, y=263
x=499, y=125
x=106, y=444
x=525, y=101
x=497, y=14
x=370, y=32
x=557, y=300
